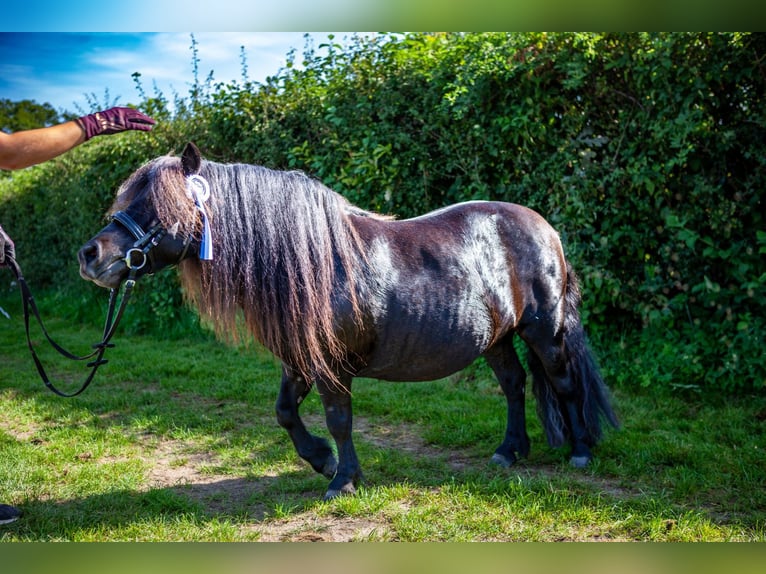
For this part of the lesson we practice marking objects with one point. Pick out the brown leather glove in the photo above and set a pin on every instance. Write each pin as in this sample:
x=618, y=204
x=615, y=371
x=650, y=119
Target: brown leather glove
x=114, y=120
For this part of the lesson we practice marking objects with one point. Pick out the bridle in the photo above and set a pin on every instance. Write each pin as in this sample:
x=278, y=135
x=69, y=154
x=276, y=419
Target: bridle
x=136, y=259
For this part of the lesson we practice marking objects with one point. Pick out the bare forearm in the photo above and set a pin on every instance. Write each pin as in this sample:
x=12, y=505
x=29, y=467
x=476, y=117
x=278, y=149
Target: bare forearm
x=29, y=147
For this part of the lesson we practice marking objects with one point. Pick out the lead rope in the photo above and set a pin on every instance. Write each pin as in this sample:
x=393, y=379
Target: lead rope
x=110, y=326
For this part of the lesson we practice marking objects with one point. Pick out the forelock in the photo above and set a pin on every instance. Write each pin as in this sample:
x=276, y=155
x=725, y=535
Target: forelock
x=161, y=184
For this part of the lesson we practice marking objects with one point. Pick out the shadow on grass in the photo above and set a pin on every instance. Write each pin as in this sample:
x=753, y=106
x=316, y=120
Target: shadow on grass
x=110, y=514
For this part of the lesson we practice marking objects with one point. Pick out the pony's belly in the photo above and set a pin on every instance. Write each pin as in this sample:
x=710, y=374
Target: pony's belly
x=409, y=372
x=413, y=358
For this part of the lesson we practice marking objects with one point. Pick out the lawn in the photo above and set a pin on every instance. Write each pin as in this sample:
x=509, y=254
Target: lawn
x=176, y=440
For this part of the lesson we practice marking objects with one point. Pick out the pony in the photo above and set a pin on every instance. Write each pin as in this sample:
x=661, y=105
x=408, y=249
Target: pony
x=337, y=293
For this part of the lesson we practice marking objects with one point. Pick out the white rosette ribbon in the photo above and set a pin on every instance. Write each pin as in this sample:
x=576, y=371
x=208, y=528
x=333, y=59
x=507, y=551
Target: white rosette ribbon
x=198, y=189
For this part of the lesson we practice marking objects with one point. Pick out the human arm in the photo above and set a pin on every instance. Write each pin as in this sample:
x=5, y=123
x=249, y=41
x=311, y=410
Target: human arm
x=30, y=147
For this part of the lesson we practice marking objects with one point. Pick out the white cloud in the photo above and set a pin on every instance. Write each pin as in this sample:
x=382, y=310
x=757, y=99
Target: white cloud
x=166, y=60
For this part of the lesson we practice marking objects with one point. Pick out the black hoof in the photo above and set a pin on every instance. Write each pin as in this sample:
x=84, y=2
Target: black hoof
x=330, y=467
x=347, y=490
x=502, y=460
x=579, y=461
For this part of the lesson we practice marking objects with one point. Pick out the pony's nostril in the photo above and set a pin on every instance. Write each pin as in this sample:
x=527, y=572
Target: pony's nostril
x=88, y=253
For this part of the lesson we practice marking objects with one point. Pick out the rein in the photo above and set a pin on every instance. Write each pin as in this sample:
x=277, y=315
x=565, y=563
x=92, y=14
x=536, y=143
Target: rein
x=135, y=259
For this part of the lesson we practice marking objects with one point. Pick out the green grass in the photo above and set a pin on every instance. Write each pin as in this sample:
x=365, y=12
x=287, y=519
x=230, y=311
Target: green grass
x=176, y=440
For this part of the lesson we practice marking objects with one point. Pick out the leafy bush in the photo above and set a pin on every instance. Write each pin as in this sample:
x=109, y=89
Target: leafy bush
x=646, y=152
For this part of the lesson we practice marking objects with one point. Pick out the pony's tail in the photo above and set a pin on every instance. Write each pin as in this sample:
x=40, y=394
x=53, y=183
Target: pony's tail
x=592, y=394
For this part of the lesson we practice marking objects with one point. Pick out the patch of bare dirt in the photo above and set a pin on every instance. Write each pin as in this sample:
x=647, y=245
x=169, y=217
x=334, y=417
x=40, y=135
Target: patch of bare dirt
x=307, y=527
x=406, y=438
x=174, y=464
x=402, y=437
x=186, y=469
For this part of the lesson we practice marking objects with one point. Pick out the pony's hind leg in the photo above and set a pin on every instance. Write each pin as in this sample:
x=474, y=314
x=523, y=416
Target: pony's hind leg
x=504, y=361
x=560, y=400
x=315, y=450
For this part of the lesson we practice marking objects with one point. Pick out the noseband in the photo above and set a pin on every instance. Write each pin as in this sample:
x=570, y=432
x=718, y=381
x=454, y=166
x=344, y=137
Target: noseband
x=144, y=245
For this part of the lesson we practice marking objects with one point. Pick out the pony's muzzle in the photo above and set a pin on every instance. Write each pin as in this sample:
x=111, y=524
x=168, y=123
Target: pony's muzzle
x=94, y=267
x=89, y=254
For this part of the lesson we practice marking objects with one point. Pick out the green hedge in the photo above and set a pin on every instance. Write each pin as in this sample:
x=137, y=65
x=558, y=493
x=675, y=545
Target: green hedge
x=646, y=151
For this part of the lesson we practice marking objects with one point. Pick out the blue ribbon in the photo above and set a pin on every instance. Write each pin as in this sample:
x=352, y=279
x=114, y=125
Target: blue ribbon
x=199, y=190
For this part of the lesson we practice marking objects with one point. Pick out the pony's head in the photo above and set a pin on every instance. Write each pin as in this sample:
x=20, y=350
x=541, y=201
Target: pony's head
x=155, y=223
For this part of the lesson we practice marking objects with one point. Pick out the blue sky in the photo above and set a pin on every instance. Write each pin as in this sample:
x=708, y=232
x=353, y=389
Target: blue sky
x=62, y=68
x=209, y=15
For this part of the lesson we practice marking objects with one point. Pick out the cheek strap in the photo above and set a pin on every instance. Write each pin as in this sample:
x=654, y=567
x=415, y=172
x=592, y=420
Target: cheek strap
x=137, y=256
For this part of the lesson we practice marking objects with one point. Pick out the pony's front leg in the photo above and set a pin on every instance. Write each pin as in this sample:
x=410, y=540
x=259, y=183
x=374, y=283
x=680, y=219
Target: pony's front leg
x=337, y=406
x=313, y=449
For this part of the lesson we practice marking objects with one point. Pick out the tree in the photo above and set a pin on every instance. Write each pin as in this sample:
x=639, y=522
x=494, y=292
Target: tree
x=25, y=115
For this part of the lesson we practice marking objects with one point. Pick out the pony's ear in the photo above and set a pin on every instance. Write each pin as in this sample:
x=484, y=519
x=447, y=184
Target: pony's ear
x=191, y=160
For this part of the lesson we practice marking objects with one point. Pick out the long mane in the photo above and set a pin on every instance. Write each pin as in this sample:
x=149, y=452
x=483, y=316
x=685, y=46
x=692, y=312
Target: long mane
x=282, y=241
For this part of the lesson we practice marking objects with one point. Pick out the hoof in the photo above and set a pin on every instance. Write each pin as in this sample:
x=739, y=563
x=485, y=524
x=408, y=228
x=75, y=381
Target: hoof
x=579, y=461
x=330, y=467
x=501, y=460
x=347, y=490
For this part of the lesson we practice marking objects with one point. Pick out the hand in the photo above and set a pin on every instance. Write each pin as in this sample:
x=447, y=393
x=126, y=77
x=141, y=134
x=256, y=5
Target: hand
x=114, y=120
x=7, y=248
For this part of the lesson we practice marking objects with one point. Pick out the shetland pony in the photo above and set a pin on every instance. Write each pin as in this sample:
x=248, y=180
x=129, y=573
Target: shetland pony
x=337, y=292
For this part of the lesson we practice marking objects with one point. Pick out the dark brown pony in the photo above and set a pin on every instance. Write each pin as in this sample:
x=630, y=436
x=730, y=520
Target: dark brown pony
x=337, y=292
